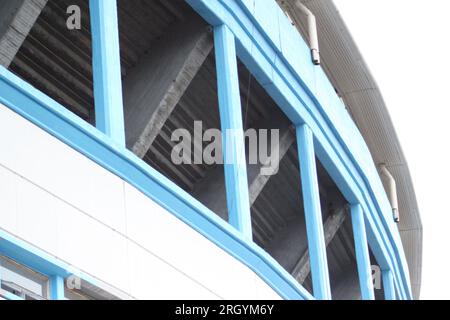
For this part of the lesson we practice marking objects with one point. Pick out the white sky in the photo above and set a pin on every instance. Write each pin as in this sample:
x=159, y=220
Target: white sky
x=406, y=44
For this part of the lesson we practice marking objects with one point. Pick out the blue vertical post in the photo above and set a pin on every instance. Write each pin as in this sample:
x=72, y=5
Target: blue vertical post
x=106, y=69
x=57, y=288
x=401, y=292
x=313, y=215
x=388, y=285
x=362, y=253
x=232, y=131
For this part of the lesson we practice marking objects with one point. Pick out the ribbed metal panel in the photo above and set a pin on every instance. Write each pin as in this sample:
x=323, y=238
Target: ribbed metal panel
x=412, y=242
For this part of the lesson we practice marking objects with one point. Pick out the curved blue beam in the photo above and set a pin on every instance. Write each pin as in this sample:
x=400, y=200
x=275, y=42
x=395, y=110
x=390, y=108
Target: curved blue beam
x=272, y=50
x=81, y=136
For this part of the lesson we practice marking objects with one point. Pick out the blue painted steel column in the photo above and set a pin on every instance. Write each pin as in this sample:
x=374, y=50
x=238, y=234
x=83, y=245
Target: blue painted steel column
x=362, y=253
x=313, y=215
x=388, y=285
x=57, y=288
x=106, y=69
x=232, y=131
x=400, y=290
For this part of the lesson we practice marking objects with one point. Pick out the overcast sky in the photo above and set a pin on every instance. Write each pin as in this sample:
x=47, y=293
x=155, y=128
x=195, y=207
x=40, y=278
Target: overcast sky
x=406, y=44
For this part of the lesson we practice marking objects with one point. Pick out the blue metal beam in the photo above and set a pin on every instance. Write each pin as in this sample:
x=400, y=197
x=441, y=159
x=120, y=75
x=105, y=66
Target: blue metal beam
x=57, y=288
x=362, y=253
x=313, y=214
x=106, y=69
x=10, y=296
x=232, y=131
x=306, y=96
x=56, y=120
x=388, y=285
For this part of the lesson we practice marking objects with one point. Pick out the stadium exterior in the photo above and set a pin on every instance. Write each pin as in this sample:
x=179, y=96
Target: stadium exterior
x=92, y=205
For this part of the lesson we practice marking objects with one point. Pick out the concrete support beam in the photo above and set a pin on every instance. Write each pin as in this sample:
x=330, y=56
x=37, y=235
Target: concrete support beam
x=211, y=190
x=257, y=180
x=17, y=17
x=154, y=87
x=331, y=227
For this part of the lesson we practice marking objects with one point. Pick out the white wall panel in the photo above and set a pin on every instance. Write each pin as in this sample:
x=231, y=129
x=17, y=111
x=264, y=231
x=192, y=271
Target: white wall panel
x=173, y=241
x=264, y=291
x=92, y=247
x=8, y=200
x=36, y=215
x=63, y=203
x=61, y=170
x=151, y=278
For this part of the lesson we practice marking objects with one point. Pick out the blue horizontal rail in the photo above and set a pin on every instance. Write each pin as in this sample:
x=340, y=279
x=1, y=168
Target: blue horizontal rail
x=52, y=117
x=42, y=262
x=9, y=296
